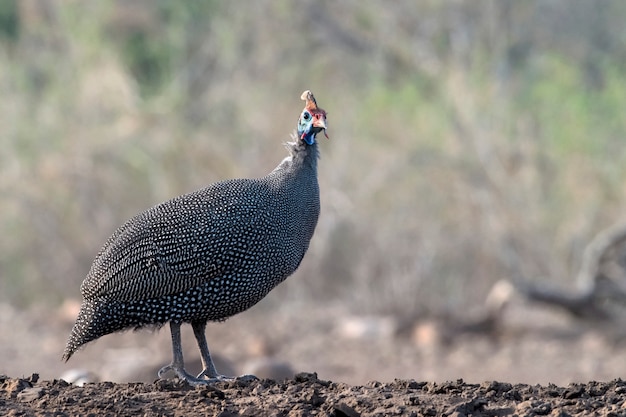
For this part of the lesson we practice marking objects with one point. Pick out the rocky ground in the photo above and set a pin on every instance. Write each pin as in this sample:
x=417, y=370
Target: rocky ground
x=306, y=395
x=531, y=348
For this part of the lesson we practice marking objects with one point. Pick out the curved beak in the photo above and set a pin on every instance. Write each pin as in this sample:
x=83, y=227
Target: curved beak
x=320, y=123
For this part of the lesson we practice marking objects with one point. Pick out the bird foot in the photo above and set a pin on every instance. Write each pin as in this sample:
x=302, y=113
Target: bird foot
x=182, y=374
x=215, y=377
x=203, y=377
x=247, y=378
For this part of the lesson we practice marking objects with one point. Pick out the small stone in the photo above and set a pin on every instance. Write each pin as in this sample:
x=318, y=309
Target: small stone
x=344, y=410
x=30, y=394
x=306, y=377
x=574, y=392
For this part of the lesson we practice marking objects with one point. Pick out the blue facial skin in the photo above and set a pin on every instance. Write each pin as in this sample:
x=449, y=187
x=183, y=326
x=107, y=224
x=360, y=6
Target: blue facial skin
x=306, y=131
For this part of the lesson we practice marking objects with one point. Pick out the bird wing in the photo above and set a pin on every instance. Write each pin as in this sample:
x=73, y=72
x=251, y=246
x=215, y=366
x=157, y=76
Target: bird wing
x=170, y=248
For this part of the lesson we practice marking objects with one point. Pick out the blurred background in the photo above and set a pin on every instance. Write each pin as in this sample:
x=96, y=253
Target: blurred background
x=471, y=142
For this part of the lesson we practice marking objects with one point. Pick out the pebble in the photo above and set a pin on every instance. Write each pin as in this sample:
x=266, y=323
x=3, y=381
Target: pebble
x=30, y=394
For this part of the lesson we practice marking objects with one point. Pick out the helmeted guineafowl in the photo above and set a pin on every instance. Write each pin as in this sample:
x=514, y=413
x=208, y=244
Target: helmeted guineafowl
x=207, y=255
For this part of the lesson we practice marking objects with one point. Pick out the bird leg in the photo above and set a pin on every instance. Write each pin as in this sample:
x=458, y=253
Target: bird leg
x=177, y=364
x=208, y=370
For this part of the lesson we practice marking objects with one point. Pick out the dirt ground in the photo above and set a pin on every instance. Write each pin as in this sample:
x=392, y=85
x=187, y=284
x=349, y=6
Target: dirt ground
x=323, y=361
x=306, y=395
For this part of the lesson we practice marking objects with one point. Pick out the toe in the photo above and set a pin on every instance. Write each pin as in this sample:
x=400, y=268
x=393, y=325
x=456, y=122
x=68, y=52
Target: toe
x=165, y=370
x=205, y=374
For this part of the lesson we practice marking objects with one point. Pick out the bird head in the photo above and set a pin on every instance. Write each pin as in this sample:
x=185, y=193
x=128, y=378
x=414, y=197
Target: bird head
x=312, y=120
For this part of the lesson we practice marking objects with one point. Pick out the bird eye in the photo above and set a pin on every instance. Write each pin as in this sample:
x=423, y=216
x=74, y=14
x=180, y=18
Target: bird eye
x=306, y=115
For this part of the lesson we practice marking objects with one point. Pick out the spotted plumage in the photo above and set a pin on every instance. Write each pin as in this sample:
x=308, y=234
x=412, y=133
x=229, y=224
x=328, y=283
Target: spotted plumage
x=207, y=255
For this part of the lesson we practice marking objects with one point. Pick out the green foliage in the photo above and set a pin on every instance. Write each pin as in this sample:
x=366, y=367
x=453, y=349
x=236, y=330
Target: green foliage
x=470, y=141
x=147, y=57
x=566, y=110
x=9, y=23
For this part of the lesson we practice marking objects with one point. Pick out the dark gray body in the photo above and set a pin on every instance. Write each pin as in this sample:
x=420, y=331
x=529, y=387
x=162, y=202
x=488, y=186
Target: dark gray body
x=203, y=256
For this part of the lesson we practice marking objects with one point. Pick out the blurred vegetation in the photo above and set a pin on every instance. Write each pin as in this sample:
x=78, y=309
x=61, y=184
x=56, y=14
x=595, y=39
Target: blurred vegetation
x=470, y=141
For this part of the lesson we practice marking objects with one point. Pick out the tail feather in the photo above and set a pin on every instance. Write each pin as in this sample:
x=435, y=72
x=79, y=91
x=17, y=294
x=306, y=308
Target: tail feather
x=95, y=319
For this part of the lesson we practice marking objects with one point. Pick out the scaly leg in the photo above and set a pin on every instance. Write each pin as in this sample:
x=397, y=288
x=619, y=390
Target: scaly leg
x=208, y=370
x=177, y=364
